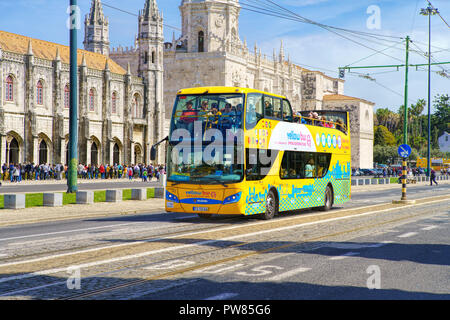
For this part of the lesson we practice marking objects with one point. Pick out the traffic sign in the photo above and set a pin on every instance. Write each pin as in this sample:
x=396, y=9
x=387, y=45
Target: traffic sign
x=404, y=151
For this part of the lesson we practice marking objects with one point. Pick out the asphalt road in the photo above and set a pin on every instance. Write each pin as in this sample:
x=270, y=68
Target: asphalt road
x=356, y=251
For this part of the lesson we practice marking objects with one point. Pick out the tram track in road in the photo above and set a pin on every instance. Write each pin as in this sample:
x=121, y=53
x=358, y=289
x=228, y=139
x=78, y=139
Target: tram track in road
x=131, y=242
x=237, y=232
x=234, y=258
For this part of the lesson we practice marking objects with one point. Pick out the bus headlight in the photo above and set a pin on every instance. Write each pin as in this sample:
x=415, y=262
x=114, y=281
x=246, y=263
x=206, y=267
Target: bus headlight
x=171, y=197
x=233, y=198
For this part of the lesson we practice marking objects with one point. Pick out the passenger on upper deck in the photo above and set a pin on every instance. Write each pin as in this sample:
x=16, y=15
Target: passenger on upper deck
x=188, y=117
x=228, y=116
x=268, y=109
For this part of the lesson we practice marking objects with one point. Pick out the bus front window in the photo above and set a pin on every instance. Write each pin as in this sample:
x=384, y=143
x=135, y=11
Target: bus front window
x=204, y=164
x=198, y=113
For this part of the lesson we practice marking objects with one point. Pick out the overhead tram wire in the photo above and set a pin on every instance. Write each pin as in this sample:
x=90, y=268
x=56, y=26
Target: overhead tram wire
x=391, y=47
x=361, y=35
x=425, y=55
x=328, y=26
x=135, y=15
x=262, y=11
x=439, y=14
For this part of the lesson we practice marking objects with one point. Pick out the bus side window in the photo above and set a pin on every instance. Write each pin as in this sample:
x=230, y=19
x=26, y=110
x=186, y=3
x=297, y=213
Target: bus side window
x=287, y=111
x=254, y=110
x=277, y=109
x=268, y=107
x=304, y=165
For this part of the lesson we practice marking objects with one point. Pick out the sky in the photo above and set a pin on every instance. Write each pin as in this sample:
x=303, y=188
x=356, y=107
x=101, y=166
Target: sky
x=307, y=45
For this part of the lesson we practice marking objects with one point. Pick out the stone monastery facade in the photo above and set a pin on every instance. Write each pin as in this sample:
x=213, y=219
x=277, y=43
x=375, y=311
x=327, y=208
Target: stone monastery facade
x=127, y=94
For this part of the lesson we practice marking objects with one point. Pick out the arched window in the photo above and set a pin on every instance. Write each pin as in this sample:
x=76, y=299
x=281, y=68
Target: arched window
x=145, y=57
x=201, y=41
x=67, y=97
x=9, y=89
x=43, y=152
x=116, y=154
x=39, y=93
x=94, y=154
x=137, y=154
x=13, y=151
x=91, y=100
x=136, y=106
x=114, y=103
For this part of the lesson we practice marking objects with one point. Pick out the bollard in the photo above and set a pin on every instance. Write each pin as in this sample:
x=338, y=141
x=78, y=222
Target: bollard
x=139, y=194
x=114, y=195
x=85, y=197
x=159, y=193
x=52, y=199
x=14, y=201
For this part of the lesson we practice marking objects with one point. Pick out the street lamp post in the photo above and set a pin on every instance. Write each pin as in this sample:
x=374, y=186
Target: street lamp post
x=429, y=11
x=72, y=162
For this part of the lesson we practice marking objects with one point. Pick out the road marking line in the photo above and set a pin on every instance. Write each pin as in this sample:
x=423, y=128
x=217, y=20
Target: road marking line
x=172, y=264
x=288, y=274
x=407, y=235
x=32, y=242
x=211, y=269
x=155, y=290
x=345, y=255
x=67, y=231
x=223, y=296
x=200, y=243
x=429, y=228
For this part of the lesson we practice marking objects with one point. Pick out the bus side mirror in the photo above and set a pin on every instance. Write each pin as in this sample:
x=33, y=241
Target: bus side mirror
x=153, y=153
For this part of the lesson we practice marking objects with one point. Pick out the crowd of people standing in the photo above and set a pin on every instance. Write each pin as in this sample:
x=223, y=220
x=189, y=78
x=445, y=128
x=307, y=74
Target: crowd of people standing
x=31, y=171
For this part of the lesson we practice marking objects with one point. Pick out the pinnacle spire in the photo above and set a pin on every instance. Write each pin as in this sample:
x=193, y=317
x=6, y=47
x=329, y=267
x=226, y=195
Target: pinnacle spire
x=150, y=9
x=30, y=48
x=96, y=14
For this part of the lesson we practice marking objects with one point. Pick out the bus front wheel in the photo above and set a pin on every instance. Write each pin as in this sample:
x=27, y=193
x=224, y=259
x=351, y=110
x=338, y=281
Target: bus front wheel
x=271, y=206
x=328, y=199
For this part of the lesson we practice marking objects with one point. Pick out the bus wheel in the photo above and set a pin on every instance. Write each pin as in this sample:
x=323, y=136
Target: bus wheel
x=271, y=206
x=328, y=199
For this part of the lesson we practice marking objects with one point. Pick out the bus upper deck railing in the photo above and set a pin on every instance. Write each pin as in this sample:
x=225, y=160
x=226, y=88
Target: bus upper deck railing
x=234, y=120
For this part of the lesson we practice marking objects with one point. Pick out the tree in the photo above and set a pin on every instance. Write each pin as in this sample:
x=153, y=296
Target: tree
x=384, y=154
x=383, y=137
x=441, y=118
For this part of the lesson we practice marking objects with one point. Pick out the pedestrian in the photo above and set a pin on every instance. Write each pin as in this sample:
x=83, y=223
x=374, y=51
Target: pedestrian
x=433, y=177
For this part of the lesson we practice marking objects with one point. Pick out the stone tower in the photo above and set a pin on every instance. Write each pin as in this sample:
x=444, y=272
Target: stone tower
x=150, y=46
x=96, y=34
x=209, y=26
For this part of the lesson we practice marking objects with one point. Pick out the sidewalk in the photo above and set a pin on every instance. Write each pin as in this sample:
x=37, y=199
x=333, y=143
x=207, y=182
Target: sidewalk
x=63, y=181
x=392, y=186
x=79, y=211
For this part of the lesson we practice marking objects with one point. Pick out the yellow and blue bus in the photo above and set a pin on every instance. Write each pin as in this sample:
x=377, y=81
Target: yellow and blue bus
x=243, y=151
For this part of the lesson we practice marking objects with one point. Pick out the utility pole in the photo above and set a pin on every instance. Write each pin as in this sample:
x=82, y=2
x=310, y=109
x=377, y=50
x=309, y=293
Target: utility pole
x=405, y=122
x=429, y=11
x=74, y=21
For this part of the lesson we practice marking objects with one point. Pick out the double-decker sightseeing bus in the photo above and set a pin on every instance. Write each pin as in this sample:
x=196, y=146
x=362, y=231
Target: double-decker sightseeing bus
x=243, y=151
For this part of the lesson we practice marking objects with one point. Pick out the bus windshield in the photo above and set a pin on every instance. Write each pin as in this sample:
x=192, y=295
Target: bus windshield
x=208, y=111
x=203, y=164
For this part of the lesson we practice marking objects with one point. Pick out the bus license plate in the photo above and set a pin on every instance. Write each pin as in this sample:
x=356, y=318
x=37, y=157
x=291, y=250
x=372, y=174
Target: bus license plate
x=200, y=208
